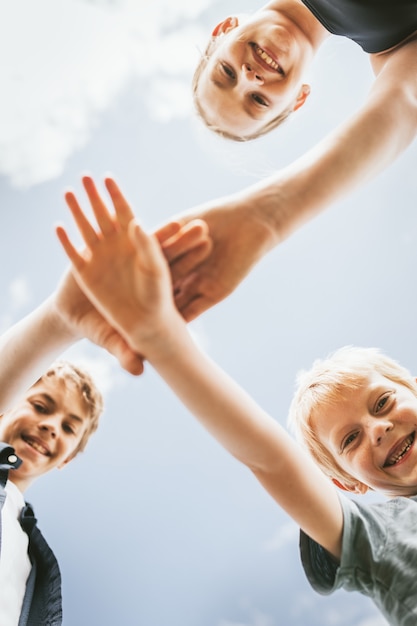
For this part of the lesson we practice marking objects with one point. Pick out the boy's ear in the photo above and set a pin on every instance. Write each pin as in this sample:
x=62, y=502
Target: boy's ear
x=64, y=463
x=223, y=27
x=358, y=487
x=302, y=96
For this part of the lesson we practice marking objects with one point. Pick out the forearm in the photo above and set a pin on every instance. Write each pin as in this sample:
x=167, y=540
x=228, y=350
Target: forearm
x=350, y=156
x=28, y=348
x=232, y=417
x=222, y=407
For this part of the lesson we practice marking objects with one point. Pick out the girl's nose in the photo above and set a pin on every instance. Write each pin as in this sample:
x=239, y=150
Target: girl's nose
x=379, y=431
x=250, y=74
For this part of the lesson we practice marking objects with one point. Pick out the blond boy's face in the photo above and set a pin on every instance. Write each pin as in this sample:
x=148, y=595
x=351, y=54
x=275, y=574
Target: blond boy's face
x=45, y=428
x=371, y=434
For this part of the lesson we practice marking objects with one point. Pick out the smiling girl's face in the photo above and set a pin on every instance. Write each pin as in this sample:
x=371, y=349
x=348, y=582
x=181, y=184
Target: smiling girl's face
x=254, y=72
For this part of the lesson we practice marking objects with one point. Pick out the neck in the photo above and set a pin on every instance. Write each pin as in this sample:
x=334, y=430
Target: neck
x=302, y=18
x=20, y=483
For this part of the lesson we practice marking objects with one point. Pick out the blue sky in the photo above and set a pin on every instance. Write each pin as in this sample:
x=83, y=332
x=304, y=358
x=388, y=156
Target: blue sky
x=155, y=524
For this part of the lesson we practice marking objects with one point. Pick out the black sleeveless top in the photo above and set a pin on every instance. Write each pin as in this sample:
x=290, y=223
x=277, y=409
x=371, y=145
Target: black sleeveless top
x=375, y=25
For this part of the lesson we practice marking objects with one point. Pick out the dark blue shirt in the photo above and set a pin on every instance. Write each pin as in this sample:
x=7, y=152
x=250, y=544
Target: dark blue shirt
x=375, y=25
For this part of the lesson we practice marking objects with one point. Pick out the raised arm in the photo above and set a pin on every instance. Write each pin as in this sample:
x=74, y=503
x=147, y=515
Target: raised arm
x=246, y=225
x=30, y=345
x=130, y=285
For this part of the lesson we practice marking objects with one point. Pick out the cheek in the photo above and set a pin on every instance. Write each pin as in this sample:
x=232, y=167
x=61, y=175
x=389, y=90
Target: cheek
x=356, y=464
x=9, y=430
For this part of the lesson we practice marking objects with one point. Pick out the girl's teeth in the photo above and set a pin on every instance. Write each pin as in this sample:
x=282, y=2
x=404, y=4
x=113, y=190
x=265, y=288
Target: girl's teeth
x=265, y=57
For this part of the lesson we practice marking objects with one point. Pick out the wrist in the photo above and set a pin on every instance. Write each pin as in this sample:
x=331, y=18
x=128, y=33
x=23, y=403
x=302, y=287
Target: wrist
x=265, y=207
x=160, y=341
x=59, y=320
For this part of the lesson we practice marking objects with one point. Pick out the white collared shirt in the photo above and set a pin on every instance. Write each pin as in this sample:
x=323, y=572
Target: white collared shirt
x=14, y=560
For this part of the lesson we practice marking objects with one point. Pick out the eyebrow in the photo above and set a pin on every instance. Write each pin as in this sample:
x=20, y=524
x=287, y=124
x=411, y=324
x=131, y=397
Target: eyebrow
x=52, y=403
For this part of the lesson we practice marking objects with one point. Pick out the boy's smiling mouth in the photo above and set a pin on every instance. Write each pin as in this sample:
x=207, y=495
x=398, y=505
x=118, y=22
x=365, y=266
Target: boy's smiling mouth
x=36, y=444
x=399, y=451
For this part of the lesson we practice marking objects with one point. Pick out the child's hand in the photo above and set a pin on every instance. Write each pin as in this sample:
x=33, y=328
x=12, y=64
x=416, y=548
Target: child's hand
x=122, y=270
x=83, y=320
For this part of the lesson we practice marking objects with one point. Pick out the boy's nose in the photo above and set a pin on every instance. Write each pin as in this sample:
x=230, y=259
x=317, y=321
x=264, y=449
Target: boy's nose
x=251, y=75
x=49, y=426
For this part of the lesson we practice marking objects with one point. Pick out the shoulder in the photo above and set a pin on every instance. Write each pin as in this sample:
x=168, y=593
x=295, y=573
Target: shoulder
x=398, y=53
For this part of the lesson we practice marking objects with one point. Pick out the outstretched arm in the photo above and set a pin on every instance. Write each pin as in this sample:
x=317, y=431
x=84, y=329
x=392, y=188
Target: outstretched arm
x=246, y=225
x=130, y=285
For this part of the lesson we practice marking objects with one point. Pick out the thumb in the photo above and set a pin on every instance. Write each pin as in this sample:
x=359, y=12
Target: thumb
x=114, y=343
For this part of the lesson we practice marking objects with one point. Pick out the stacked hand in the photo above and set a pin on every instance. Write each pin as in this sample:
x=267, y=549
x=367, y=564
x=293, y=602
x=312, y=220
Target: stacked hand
x=126, y=293
x=240, y=235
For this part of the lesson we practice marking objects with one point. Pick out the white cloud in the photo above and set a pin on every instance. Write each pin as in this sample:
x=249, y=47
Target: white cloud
x=19, y=292
x=19, y=296
x=104, y=369
x=168, y=99
x=68, y=60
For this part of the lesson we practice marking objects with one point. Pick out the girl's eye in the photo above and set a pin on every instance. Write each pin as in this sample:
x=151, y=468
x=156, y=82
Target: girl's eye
x=259, y=100
x=68, y=429
x=349, y=439
x=228, y=71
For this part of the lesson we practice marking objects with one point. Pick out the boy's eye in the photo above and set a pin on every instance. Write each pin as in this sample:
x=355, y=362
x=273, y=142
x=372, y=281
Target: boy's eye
x=68, y=428
x=228, y=71
x=349, y=440
x=40, y=408
x=259, y=99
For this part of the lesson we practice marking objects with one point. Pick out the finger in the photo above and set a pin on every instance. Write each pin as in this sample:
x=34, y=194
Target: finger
x=86, y=230
x=132, y=364
x=123, y=211
x=190, y=236
x=176, y=229
x=102, y=214
x=147, y=245
x=194, y=308
x=195, y=294
x=72, y=253
x=117, y=346
x=167, y=231
x=187, y=263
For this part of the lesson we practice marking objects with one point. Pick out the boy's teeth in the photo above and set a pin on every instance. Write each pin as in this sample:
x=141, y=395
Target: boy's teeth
x=265, y=57
x=36, y=446
x=398, y=455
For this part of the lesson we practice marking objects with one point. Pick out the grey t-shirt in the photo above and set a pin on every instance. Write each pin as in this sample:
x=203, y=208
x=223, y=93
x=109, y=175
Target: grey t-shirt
x=379, y=557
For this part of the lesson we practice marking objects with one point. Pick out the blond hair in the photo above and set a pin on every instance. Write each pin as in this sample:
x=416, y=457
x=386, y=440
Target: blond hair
x=343, y=371
x=281, y=117
x=89, y=392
